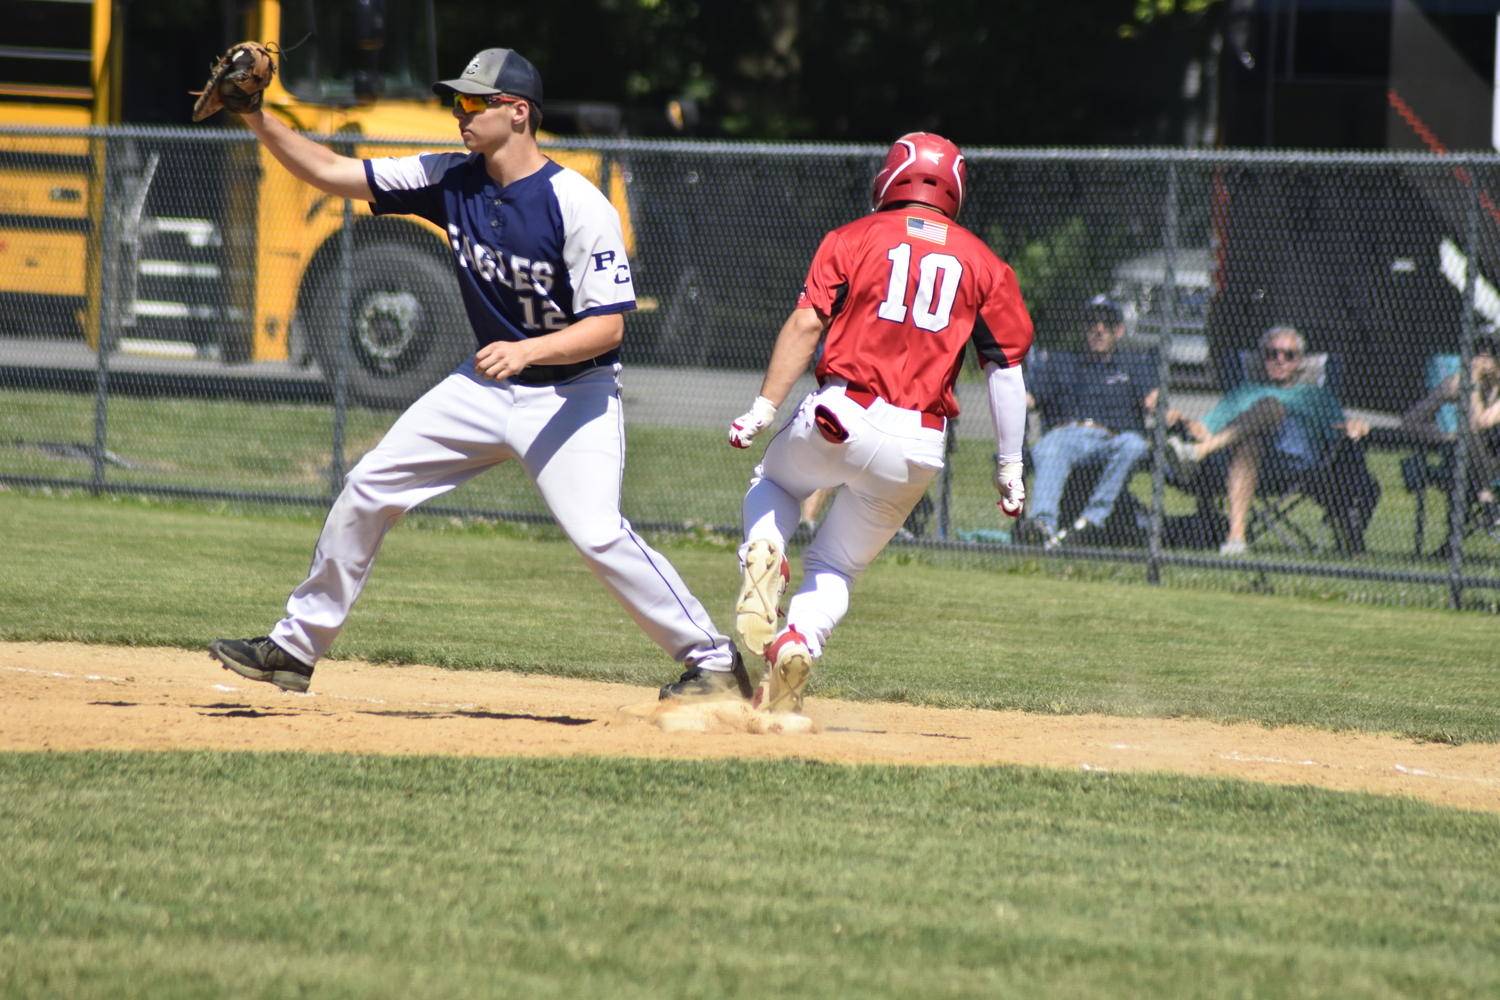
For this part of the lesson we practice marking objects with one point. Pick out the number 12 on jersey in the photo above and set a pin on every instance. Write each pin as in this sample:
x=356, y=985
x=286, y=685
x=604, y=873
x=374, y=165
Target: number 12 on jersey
x=927, y=312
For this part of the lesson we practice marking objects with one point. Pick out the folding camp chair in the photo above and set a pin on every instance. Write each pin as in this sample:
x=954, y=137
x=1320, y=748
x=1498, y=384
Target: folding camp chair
x=1340, y=483
x=1431, y=465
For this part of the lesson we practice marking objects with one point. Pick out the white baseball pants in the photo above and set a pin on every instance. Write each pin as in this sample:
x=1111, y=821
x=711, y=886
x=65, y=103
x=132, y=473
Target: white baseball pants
x=884, y=468
x=571, y=440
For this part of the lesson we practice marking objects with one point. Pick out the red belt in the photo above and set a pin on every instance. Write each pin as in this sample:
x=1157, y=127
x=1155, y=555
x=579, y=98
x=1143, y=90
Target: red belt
x=864, y=398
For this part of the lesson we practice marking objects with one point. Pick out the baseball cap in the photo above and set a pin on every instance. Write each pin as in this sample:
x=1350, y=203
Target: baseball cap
x=496, y=71
x=1102, y=307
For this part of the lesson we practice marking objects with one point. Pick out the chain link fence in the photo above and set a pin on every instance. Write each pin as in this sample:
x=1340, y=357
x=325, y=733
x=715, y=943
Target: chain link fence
x=258, y=337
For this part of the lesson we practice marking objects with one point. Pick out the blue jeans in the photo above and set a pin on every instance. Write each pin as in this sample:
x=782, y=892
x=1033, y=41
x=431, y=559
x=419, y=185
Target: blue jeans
x=1061, y=450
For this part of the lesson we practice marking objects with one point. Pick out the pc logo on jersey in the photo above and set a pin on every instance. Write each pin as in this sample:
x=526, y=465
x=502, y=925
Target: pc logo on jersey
x=603, y=262
x=926, y=229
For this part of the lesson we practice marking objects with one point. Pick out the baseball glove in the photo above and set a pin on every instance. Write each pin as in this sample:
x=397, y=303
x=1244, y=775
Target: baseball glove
x=236, y=80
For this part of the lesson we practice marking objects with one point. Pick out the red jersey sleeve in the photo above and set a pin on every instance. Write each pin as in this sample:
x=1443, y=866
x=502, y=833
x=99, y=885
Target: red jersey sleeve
x=1002, y=329
x=827, y=284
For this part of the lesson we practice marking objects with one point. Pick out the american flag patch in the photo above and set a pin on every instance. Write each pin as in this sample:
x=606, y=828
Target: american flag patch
x=926, y=229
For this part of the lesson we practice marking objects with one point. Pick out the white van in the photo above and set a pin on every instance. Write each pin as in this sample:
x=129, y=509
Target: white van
x=1139, y=288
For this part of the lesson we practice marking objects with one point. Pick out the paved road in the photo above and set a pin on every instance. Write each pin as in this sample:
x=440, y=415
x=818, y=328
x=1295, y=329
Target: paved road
x=692, y=398
x=75, y=355
x=70, y=366
x=675, y=397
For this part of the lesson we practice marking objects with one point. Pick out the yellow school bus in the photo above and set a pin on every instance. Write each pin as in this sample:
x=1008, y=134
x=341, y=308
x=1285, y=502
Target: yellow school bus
x=158, y=244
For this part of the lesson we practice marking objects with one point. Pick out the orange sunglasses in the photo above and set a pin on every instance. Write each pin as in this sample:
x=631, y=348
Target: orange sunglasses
x=470, y=103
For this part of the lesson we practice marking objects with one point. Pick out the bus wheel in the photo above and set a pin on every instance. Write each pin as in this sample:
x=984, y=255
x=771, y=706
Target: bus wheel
x=406, y=331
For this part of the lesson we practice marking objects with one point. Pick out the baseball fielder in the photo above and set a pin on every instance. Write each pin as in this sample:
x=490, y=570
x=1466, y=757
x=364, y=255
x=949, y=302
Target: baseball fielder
x=541, y=264
x=899, y=293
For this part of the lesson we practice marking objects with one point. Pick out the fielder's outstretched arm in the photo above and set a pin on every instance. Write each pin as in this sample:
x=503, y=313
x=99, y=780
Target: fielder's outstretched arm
x=342, y=176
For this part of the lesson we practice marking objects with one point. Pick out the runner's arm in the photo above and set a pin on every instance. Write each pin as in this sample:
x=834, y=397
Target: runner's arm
x=795, y=346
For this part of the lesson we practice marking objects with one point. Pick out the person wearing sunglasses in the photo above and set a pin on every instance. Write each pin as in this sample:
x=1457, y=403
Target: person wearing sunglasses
x=1094, y=404
x=1267, y=433
x=540, y=261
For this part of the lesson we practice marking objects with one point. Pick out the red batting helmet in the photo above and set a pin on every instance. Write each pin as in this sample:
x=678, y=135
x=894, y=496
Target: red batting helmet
x=924, y=167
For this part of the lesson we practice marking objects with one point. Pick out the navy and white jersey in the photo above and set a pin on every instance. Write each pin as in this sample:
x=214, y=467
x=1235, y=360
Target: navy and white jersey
x=532, y=257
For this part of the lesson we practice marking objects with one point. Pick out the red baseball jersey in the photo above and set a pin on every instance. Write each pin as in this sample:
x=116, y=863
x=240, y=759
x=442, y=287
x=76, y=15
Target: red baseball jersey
x=907, y=290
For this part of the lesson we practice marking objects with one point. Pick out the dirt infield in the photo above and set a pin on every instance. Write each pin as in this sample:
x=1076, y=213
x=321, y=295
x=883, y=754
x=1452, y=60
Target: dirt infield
x=64, y=696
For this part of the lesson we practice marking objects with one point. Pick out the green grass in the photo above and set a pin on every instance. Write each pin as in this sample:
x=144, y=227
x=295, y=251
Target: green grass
x=471, y=595
x=206, y=875
x=674, y=474
x=184, y=875
x=285, y=448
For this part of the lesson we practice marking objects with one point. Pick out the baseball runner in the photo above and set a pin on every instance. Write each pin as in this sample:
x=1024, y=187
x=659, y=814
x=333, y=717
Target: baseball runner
x=541, y=263
x=899, y=293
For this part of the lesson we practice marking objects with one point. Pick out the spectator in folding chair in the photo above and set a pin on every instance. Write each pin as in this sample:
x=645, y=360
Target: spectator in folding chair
x=1433, y=423
x=1272, y=436
x=1094, y=404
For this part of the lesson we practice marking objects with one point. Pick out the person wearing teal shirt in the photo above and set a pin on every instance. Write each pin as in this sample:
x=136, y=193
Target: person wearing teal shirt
x=1273, y=431
x=1435, y=421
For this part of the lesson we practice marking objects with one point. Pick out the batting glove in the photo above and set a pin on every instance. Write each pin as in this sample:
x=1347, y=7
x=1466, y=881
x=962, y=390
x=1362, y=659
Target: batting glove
x=1008, y=480
x=743, y=430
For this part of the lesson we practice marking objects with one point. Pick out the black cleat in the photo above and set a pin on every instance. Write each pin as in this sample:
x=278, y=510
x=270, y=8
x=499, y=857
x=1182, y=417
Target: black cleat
x=697, y=684
x=262, y=660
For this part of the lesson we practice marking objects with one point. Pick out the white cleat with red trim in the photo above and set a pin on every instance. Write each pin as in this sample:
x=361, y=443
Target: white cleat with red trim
x=759, y=606
x=788, y=666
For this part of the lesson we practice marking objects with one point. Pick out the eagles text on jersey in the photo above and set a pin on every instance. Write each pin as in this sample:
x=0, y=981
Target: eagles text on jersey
x=532, y=257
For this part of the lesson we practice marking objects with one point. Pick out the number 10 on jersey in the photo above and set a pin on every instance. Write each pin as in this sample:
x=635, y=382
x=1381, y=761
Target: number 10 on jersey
x=928, y=312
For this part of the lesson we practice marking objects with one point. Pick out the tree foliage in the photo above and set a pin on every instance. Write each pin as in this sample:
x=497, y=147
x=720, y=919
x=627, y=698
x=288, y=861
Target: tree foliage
x=1032, y=72
x=1021, y=72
